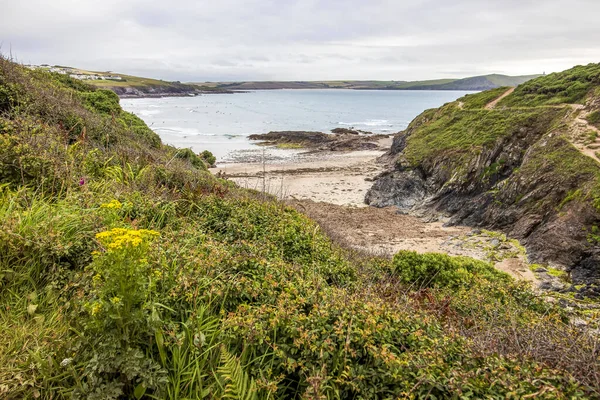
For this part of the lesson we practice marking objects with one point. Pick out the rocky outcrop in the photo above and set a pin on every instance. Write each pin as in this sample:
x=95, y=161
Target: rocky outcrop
x=527, y=180
x=320, y=141
x=351, y=131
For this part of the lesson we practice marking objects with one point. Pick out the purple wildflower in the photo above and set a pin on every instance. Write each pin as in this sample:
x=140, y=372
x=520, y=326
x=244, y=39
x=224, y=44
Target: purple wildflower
x=81, y=182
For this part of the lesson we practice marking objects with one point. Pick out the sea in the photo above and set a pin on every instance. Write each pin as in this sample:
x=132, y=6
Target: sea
x=221, y=123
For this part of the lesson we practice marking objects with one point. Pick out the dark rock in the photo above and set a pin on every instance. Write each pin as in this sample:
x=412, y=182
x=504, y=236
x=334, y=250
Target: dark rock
x=351, y=131
x=344, y=131
x=404, y=189
x=319, y=140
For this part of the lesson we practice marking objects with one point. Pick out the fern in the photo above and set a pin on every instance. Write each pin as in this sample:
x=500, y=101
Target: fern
x=238, y=384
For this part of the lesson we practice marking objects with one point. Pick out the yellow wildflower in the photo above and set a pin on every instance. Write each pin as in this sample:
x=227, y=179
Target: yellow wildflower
x=96, y=307
x=118, y=238
x=115, y=300
x=113, y=205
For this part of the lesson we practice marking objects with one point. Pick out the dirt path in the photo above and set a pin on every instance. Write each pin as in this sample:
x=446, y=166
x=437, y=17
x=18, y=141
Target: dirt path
x=584, y=136
x=491, y=105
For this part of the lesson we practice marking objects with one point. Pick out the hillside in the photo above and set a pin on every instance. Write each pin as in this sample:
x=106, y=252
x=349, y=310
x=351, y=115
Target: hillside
x=134, y=86
x=473, y=83
x=522, y=161
x=127, y=271
x=129, y=85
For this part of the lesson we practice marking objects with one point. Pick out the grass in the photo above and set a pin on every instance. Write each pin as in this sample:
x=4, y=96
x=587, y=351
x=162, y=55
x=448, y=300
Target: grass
x=465, y=132
x=480, y=100
x=594, y=118
x=128, y=271
x=571, y=86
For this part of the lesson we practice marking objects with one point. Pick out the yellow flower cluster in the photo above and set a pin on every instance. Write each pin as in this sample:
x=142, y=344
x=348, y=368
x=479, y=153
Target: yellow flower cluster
x=118, y=238
x=113, y=205
x=96, y=307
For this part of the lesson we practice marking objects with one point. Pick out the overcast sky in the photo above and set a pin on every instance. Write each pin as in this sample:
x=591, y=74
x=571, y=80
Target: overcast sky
x=200, y=40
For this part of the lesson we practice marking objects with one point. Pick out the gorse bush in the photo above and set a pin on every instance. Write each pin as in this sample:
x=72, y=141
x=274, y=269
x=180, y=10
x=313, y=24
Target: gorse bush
x=128, y=271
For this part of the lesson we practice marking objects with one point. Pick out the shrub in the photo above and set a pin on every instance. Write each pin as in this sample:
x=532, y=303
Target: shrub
x=209, y=158
x=102, y=101
x=441, y=270
x=188, y=154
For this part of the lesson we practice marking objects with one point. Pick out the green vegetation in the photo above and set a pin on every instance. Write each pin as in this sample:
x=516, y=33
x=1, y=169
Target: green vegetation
x=128, y=271
x=465, y=132
x=439, y=270
x=480, y=100
x=568, y=168
x=594, y=118
x=567, y=87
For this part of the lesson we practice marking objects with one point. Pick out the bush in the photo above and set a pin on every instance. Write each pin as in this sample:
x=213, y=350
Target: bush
x=189, y=155
x=209, y=158
x=441, y=270
x=102, y=101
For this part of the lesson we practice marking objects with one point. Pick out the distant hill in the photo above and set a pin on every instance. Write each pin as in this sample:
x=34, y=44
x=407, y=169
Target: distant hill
x=484, y=82
x=135, y=86
x=128, y=85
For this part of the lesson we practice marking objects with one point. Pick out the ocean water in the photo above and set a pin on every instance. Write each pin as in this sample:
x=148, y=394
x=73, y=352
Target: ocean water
x=221, y=122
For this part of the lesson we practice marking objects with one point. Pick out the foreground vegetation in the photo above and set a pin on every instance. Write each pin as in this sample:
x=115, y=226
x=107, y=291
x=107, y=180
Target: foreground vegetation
x=128, y=271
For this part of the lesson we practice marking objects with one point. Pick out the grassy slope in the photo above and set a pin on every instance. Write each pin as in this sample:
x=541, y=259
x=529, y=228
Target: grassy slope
x=128, y=271
x=566, y=87
x=535, y=104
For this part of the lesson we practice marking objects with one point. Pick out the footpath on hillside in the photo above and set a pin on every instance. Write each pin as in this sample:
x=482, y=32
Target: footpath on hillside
x=584, y=136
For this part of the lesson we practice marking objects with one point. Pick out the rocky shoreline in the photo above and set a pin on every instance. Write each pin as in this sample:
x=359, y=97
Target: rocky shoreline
x=131, y=92
x=341, y=139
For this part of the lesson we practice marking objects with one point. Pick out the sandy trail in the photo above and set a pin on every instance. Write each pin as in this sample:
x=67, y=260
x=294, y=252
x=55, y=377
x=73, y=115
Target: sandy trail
x=584, y=136
x=491, y=105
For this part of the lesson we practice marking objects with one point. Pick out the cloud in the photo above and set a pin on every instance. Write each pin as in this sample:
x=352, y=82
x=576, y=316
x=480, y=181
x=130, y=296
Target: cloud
x=304, y=39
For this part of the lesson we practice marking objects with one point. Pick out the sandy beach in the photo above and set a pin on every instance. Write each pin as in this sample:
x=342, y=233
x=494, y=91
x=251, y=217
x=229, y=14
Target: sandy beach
x=336, y=178
x=330, y=188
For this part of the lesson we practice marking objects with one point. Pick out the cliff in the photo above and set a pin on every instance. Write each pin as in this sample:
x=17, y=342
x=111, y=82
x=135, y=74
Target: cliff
x=523, y=164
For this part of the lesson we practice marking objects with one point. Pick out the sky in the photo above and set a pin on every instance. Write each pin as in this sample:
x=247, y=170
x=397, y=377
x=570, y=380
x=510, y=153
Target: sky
x=230, y=40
